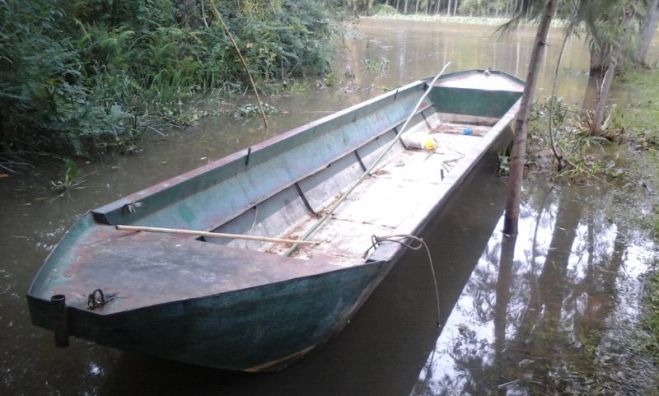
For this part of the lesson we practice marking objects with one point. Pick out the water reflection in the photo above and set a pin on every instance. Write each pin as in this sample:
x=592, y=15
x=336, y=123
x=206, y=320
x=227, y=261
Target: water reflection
x=534, y=314
x=420, y=48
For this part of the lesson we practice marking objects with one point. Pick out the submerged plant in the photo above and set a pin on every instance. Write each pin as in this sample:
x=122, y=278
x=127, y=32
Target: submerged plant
x=381, y=65
x=299, y=87
x=329, y=80
x=70, y=179
x=250, y=110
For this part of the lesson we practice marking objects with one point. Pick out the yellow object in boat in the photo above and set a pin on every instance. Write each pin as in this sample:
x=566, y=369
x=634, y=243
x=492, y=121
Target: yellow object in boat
x=429, y=144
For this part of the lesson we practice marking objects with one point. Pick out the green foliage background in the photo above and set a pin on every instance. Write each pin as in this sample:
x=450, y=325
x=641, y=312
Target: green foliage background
x=77, y=76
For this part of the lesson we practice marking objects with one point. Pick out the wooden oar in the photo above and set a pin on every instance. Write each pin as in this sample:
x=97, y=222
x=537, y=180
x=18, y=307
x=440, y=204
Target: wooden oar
x=213, y=234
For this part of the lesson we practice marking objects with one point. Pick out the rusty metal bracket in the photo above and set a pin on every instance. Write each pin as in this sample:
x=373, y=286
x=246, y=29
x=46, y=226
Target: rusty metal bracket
x=249, y=152
x=425, y=119
x=400, y=138
x=304, y=200
x=359, y=159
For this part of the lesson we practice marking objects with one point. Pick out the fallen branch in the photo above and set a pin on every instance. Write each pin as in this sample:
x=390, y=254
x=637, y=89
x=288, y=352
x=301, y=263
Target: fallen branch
x=156, y=130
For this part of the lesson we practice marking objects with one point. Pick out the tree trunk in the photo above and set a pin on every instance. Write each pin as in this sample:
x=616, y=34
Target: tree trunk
x=603, y=91
x=596, y=61
x=455, y=7
x=437, y=6
x=405, y=7
x=448, y=9
x=590, y=96
x=607, y=81
x=648, y=26
x=416, y=7
x=518, y=155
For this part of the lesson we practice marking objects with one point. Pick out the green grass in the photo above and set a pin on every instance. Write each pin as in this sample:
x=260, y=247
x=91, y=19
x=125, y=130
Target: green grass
x=641, y=122
x=643, y=102
x=651, y=314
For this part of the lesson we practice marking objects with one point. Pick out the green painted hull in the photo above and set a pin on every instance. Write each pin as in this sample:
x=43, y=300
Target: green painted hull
x=254, y=329
x=217, y=305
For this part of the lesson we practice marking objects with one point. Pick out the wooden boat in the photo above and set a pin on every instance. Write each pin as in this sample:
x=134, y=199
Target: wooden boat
x=255, y=305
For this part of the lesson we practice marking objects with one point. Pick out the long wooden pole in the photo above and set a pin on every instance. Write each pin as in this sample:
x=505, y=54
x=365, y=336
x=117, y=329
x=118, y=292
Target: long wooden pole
x=213, y=234
x=368, y=171
x=242, y=60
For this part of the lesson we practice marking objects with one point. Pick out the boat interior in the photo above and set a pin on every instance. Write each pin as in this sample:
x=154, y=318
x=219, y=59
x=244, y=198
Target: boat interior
x=402, y=188
x=394, y=190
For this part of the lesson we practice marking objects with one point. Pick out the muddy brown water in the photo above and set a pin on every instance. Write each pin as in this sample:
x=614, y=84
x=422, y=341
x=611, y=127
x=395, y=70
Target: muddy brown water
x=506, y=325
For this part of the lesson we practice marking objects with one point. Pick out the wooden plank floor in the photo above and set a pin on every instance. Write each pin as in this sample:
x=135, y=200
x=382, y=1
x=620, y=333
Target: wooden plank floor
x=384, y=200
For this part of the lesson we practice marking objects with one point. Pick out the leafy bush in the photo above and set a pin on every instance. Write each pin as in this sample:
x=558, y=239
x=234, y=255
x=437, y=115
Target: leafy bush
x=81, y=75
x=384, y=9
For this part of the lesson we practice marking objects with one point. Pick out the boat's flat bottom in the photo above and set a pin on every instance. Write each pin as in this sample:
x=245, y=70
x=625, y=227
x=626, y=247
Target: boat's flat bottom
x=409, y=181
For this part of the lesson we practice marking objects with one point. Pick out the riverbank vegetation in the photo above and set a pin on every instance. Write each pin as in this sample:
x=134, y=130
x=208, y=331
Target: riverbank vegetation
x=651, y=315
x=77, y=77
x=626, y=155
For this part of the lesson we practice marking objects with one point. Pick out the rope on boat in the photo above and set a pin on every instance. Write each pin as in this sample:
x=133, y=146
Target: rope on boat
x=98, y=299
x=368, y=171
x=416, y=244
